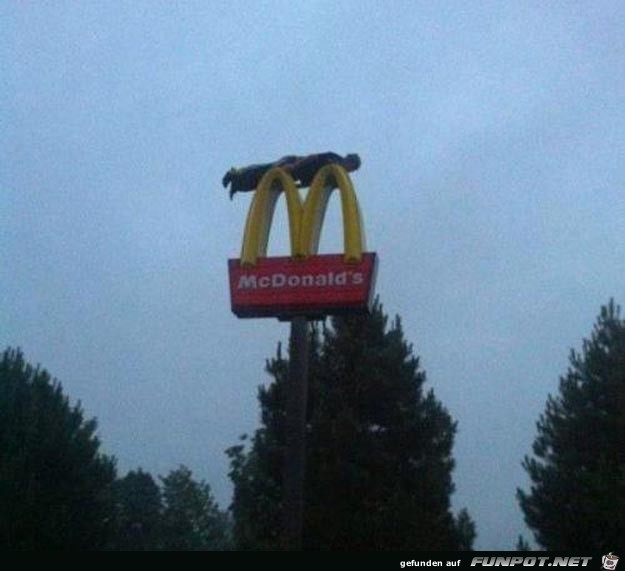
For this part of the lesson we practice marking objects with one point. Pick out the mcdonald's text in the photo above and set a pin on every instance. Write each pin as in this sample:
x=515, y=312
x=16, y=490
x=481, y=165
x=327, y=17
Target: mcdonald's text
x=280, y=280
x=318, y=285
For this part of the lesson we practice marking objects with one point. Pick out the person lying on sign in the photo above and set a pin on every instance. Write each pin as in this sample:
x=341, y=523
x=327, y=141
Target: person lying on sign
x=302, y=169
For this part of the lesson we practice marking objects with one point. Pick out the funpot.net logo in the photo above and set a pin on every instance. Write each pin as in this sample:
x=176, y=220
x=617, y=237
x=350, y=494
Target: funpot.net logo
x=609, y=561
x=531, y=561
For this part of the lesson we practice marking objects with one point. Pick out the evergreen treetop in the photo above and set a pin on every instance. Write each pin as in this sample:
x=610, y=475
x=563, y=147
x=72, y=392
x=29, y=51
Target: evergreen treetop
x=379, y=456
x=577, y=496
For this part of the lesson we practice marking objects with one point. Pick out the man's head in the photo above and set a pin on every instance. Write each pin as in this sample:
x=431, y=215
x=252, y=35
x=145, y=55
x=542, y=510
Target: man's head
x=352, y=162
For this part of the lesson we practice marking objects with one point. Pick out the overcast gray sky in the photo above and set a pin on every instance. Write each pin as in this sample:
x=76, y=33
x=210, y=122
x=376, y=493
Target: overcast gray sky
x=492, y=136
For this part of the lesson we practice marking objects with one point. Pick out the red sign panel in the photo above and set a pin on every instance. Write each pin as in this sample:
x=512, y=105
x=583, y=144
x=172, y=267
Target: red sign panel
x=283, y=287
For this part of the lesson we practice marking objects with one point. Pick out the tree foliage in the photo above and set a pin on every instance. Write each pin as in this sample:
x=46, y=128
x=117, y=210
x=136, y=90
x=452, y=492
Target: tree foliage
x=191, y=519
x=181, y=515
x=138, y=512
x=379, y=449
x=55, y=485
x=577, y=496
x=465, y=531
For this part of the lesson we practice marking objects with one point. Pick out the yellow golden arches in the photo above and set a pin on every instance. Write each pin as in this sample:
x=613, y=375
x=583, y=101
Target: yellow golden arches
x=326, y=180
x=304, y=221
x=261, y=211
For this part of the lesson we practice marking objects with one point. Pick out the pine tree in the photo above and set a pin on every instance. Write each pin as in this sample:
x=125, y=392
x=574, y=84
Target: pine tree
x=55, y=485
x=465, y=531
x=577, y=497
x=379, y=449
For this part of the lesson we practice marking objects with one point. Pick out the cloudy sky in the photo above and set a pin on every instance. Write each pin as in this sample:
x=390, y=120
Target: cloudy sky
x=492, y=139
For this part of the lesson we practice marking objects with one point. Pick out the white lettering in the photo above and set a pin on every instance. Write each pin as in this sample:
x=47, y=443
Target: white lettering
x=357, y=278
x=321, y=280
x=278, y=280
x=247, y=282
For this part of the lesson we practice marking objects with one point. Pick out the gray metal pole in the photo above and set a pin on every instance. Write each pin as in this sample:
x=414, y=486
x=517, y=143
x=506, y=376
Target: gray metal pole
x=294, y=463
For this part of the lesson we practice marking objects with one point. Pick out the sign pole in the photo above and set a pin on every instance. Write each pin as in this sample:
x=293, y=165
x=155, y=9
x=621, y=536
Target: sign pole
x=294, y=462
